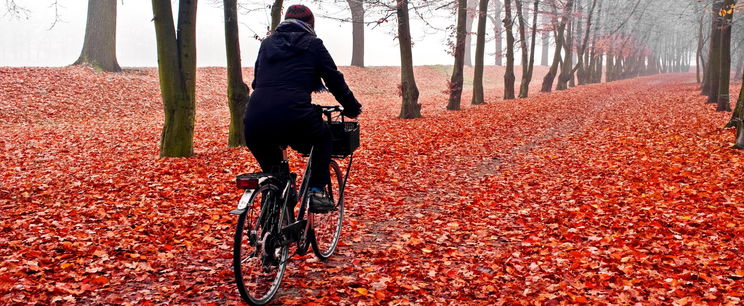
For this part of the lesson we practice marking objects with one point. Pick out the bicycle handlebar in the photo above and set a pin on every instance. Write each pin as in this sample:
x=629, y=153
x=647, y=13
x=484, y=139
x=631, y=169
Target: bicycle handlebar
x=331, y=109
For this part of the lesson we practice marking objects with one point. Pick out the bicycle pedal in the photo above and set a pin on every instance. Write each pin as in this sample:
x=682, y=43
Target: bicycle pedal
x=293, y=230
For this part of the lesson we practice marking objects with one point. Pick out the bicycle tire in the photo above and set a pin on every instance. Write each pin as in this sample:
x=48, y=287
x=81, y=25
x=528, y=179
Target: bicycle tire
x=250, y=239
x=327, y=227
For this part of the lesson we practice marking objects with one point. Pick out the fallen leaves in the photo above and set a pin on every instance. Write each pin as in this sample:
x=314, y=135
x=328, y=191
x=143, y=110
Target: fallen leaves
x=579, y=196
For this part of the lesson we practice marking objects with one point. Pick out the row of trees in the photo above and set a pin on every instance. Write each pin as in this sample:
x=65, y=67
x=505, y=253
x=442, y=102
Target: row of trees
x=592, y=40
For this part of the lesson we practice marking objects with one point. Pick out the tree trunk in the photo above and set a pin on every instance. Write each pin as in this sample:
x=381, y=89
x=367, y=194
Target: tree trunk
x=699, y=53
x=567, y=64
x=545, y=39
x=237, y=90
x=739, y=64
x=509, y=73
x=737, y=120
x=713, y=71
x=177, y=70
x=480, y=46
x=547, y=84
x=410, y=108
x=610, y=76
x=276, y=14
x=580, y=68
x=455, y=85
x=357, y=32
x=725, y=70
x=472, y=5
x=521, y=26
x=527, y=69
x=99, y=46
x=497, y=33
x=576, y=32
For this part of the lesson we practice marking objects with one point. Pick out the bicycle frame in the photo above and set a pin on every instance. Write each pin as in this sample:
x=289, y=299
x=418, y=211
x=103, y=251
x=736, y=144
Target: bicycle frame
x=276, y=219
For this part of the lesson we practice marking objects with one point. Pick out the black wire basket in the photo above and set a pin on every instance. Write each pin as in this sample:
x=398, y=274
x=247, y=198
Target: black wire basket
x=345, y=137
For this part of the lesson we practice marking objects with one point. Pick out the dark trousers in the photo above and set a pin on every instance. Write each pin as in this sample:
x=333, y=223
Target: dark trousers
x=265, y=143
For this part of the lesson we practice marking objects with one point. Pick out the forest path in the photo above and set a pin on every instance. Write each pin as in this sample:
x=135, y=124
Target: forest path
x=517, y=182
x=619, y=192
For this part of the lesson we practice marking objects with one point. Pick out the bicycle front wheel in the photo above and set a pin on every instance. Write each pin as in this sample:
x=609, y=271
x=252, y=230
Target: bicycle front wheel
x=259, y=254
x=327, y=226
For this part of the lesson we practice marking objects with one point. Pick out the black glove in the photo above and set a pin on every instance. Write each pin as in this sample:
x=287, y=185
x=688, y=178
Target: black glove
x=352, y=112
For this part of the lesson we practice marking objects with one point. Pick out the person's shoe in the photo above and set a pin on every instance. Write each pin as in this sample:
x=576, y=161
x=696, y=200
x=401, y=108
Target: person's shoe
x=320, y=203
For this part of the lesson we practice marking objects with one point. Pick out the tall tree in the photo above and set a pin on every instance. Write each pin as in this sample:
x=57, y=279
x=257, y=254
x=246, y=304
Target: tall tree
x=410, y=108
x=595, y=58
x=497, y=32
x=455, y=84
x=357, y=32
x=737, y=120
x=237, y=90
x=547, y=84
x=527, y=65
x=545, y=40
x=276, y=14
x=712, y=70
x=99, y=46
x=583, y=73
x=567, y=64
x=177, y=70
x=480, y=46
x=509, y=72
x=471, y=9
x=722, y=96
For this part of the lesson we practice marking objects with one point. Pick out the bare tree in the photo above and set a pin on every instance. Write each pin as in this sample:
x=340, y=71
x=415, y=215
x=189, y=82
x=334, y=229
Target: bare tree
x=509, y=73
x=99, y=45
x=276, y=14
x=547, y=84
x=357, y=32
x=237, y=90
x=527, y=65
x=471, y=13
x=177, y=69
x=545, y=40
x=722, y=94
x=567, y=64
x=582, y=49
x=410, y=108
x=455, y=85
x=498, y=38
x=480, y=45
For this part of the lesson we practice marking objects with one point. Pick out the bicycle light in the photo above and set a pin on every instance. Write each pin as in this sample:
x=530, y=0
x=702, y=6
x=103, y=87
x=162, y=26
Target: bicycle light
x=247, y=181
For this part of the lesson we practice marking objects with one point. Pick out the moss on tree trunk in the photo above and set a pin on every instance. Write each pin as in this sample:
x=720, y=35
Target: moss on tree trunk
x=177, y=70
x=237, y=90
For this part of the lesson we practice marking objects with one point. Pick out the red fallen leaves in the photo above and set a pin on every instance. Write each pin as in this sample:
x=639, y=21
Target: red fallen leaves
x=623, y=192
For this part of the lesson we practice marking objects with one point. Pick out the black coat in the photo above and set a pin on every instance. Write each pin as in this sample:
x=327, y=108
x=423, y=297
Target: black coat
x=290, y=65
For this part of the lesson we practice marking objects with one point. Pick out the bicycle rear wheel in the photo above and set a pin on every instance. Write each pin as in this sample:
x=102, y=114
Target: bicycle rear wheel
x=327, y=226
x=259, y=254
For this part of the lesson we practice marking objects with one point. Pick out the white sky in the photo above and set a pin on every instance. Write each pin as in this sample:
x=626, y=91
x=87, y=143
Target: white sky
x=30, y=42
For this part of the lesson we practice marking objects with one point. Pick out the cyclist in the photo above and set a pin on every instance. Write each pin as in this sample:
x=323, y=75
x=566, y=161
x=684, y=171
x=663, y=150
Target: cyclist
x=290, y=65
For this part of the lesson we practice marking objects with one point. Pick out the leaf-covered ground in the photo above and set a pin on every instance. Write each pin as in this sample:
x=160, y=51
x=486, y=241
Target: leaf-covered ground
x=623, y=192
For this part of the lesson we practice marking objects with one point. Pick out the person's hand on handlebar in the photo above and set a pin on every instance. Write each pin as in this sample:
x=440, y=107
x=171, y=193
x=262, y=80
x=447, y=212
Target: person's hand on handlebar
x=352, y=112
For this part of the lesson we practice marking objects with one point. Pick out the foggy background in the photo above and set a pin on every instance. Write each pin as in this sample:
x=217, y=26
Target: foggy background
x=29, y=41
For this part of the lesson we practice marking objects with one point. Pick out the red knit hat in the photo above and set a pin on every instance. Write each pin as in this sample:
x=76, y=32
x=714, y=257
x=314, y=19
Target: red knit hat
x=300, y=12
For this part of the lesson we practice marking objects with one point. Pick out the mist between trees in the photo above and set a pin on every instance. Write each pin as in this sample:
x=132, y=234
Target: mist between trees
x=582, y=41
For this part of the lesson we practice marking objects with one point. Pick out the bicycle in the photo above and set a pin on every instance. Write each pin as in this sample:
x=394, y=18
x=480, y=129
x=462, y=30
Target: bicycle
x=269, y=219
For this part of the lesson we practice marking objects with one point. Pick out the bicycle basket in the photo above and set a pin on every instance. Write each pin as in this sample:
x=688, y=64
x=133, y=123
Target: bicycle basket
x=345, y=137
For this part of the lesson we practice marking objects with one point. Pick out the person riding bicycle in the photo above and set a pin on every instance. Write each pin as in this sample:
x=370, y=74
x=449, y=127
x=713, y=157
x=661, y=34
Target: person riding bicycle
x=290, y=65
